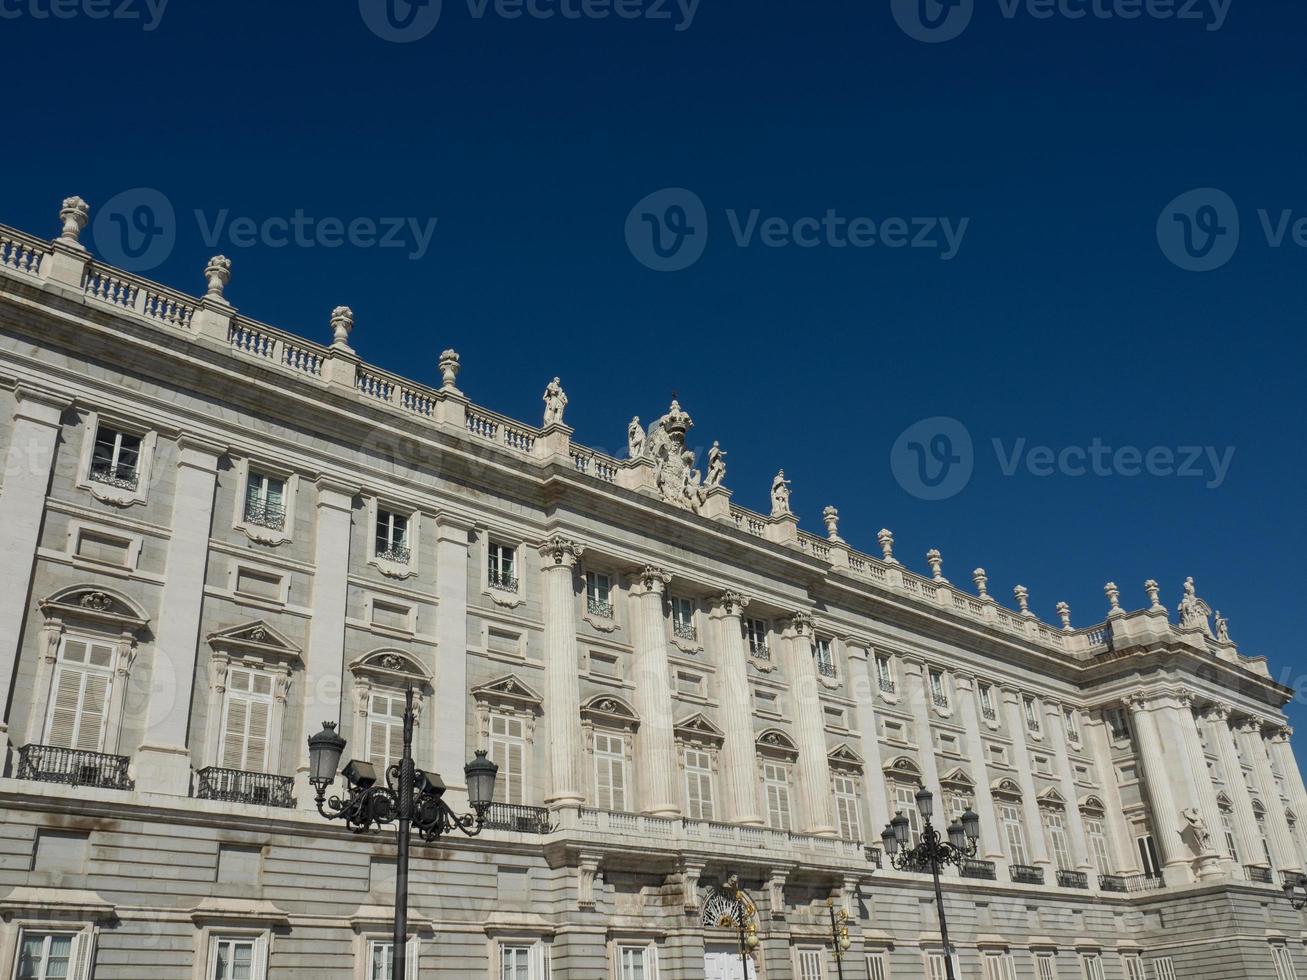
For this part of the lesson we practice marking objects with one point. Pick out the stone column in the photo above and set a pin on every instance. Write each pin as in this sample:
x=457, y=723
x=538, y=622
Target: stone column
x=655, y=743
x=810, y=727
x=1283, y=851
x=919, y=702
x=991, y=833
x=1055, y=724
x=1221, y=736
x=739, y=760
x=163, y=762
x=562, y=672
x=1204, y=790
x=1123, y=850
x=447, y=716
x=862, y=686
x=1282, y=753
x=28, y=459
x=1157, y=783
x=325, y=657
x=1016, y=723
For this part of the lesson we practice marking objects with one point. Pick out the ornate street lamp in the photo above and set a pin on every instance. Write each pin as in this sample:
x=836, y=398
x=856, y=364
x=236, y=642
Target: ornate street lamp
x=410, y=798
x=746, y=919
x=932, y=852
x=839, y=934
x=1295, y=890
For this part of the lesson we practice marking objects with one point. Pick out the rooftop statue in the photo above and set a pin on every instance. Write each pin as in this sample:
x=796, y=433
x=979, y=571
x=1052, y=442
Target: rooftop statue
x=1194, y=612
x=780, y=495
x=555, y=401
x=716, y=464
x=635, y=439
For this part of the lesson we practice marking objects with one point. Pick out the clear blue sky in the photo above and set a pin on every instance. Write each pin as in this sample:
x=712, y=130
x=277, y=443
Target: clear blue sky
x=1059, y=319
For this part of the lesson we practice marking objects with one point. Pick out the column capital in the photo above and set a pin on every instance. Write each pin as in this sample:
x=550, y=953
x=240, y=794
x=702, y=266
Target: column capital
x=653, y=579
x=559, y=551
x=454, y=525
x=198, y=453
x=1217, y=712
x=964, y=680
x=335, y=494
x=801, y=623
x=1185, y=697
x=730, y=604
x=39, y=405
x=1280, y=735
x=1248, y=726
x=1137, y=702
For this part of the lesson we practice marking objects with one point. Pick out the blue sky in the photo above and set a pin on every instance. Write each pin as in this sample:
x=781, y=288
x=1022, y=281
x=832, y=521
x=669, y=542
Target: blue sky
x=1053, y=146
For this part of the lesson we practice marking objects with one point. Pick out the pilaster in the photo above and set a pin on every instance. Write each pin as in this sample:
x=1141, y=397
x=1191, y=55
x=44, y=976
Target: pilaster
x=1283, y=851
x=739, y=760
x=1055, y=723
x=810, y=725
x=1016, y=722
x=862, y=685
x=991, y=835
x=919, y=702
x=447, y=728
x=655, y=742
x=1205, y=790
x=1221, y=735
x=1123, y=852
x=1282, y=751
x=562, y=682
x=1157, y=783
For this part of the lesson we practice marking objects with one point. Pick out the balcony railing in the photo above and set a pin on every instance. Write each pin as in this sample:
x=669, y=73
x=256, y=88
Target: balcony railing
x=759, y=649
x=976, y=868
x=503, y=581
x=265, y=514
x=237, y=786
x=599, y=607
x=874, y=856
x=519, y=818
x=989, y=714
x=1111, y=883
x=108, y=475
x=941, y=700
x=1072, y=879
x=825, y=667
x=51, y=764
x=396, y=553
x=1025, y=874
x=1143, y=883
x=1258, y=874
x=887, y=685
x=686, y=631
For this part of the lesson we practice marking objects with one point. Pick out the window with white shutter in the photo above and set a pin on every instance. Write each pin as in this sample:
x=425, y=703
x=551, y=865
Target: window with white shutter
x=54, y=955
x=1010, y=817
x=385, y=730
x=846, y=807
x=698, y=785
x=1283, y=962
x=812, y=965
x=1097, y=834
x=1055, y=826
x=237, y=958
x=637, y=962
x=247, y=719
x=905, y=798
x=1045, y=966
x=524, y=961
x=1092, y=966
x=1164, y=968
x=610, y=771
x=878, y=966
x=935, y=968
x=507, y=750
x=776, y=782
x=381, y=959
x=1134, y=967
x=999, y=966
x=79, y=707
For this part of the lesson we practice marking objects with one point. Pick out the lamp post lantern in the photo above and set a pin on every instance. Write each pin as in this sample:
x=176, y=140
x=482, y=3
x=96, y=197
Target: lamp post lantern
x=746, y=920
x=1295, y=890
x=410, y=798
x=933, y=852
x=839, y=934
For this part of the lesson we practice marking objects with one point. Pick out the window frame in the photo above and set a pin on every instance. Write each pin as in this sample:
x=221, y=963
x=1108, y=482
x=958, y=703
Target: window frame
x=248, y=469
x=782, y=786
x=823, y=657
x=705, y=775
x=259, y=952
x=389, y=564
x=848, y=799
x=493, y=581
x=109, y=493
x=648, y=953
x=617, y=762
x=86, y=670
x=81, y=952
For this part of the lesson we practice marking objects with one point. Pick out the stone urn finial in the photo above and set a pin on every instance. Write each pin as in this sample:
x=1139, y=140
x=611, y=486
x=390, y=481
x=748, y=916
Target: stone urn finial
x=74, y=214
x=982, y=582
x=342, y=322
x=449, y=368
x=831, y=516
x=1022, y=595
x=1064, y=613
x=218, y=274
x=1114, y=597
x=1154, y=590
x=886, y=539
x=936, y=562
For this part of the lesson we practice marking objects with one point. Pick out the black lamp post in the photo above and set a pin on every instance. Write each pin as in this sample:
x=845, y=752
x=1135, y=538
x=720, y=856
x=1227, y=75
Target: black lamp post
x=1295, y=890
x=839, y=934
x=410, y=797
x=746, y=919
x=932, y=853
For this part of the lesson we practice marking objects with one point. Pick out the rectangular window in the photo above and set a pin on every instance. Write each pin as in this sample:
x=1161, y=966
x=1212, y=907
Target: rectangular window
x=637, y=962
x=610, y=771
x=265, y=501
x=236, y=958
x=1227, y=827
x=501, y=573
x=683, y=619
x=79, y=708
x=1283, y=962
x=812, y=964
x=507, y=749
x=116, y=457
x=987, y=708
x=599, y=594
x=1091, y=964
x=846, y=807
x=1118, y=723
x=755, y=631
x=935, y=968
x=1055, y=826
x=1096, y=832
x=1148, y=855
x=698, y=785
x=524, y=962
x=247, y=718
x=385, y=731
x=776, y=782
x=1045, y=967
x=1010, y=816
x=381, y=959
x=937, y=692
x=825, y=657
x=877, y=966
x=52, y=955
x=999, y=966
x=1072, y=717
x=884, y=675
x=1031, y=711
x=905, y=802
x=392, y=537
x=1164, y=968
x=1134, y=967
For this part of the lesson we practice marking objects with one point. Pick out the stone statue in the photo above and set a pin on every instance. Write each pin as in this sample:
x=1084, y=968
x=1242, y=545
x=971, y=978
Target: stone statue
x=716, y=465
x=1194, y=612
x=635, y=439
x=555, y=401
x=1222, y=628
x=674, y=474
x=780, y=495
x=1198, y=827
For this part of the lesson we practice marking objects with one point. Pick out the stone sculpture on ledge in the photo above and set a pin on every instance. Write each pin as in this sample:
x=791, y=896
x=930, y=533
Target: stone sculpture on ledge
x=780, y=495
x=555, y=401
x=1194, y=612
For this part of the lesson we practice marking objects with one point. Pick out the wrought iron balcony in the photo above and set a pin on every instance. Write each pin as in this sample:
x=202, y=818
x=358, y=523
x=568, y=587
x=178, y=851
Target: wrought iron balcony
x=265, y=514
x=826, y=668
x=120, y=477
x=1026, y=874
x=51, y=764
x=396, y=553
x=759, y=649
x=887, y=685
x=989, y=714
x=237, y=786
x=686, y=631
x=976, y=868
x=1259, y=874
x=1032, y=725
x=503, y=581
x=599, y=607
x=520, y=818
x=1111, y=883
x=1072, y=879
x=941, y=700
x=875, y=857
x=1143, y=883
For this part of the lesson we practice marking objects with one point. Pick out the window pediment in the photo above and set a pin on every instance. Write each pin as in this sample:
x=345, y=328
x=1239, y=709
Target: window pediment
x=957, y=779
x=610, y=711
x=698, y=728
x=509, y=692
x=777, y=743
x=1093, y=805
x=256, y=641
x=1050, y=797
x=903, y=769
x=96, y=605
x=1006, y=789
x=843, y=757
x=391, y=668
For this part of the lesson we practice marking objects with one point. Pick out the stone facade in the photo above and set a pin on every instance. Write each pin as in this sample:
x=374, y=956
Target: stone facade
x=218, y=535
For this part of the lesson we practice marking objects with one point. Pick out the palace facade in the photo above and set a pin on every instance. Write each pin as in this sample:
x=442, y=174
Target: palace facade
x=218, y=535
